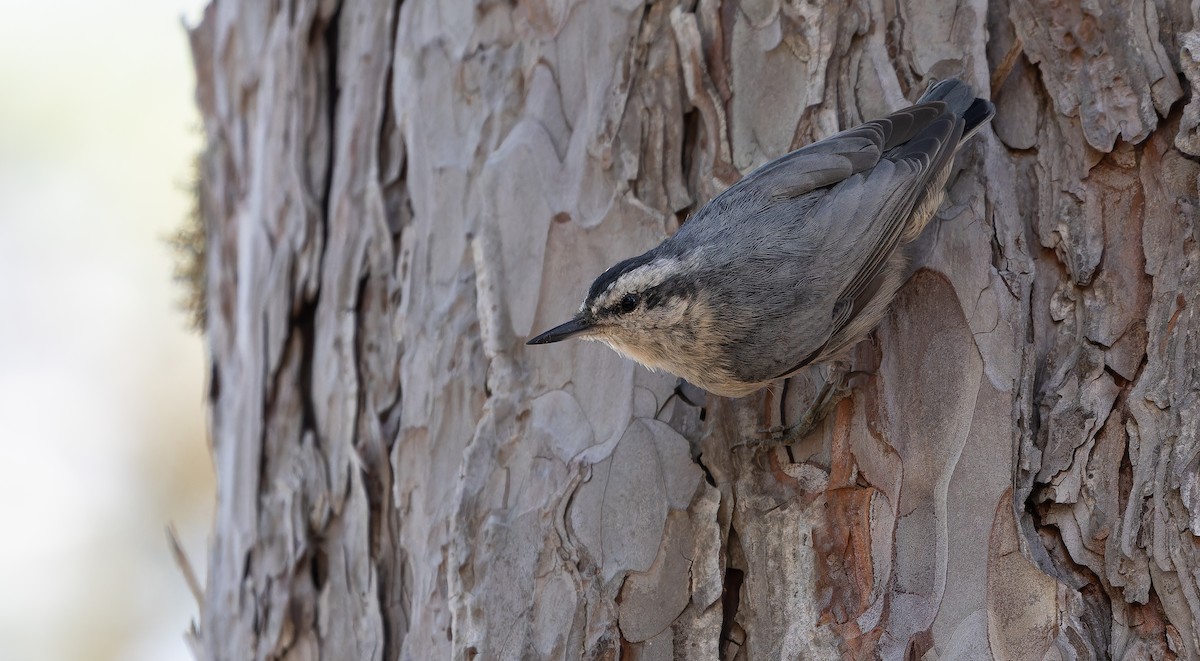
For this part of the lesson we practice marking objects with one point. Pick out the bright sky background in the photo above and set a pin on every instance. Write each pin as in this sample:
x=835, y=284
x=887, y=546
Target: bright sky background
x=102, y=440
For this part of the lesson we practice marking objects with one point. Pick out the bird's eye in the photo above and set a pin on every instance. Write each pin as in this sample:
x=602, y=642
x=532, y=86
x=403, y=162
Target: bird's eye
x=629, y=303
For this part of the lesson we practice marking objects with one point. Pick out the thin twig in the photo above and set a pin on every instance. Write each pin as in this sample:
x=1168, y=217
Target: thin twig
x=185, y=565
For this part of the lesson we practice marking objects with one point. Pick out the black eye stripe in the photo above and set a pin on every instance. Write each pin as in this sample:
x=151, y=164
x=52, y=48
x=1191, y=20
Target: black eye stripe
x=653, y=297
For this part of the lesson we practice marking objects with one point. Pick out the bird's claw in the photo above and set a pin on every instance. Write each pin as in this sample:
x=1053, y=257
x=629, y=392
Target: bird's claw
x=834, y=391
x=768, y=435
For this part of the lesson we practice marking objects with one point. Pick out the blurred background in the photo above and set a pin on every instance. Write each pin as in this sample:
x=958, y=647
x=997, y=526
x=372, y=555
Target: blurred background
x=102, y=440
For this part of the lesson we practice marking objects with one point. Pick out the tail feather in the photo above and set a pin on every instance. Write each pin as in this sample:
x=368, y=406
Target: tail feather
x=961, y=99
x=976, y=116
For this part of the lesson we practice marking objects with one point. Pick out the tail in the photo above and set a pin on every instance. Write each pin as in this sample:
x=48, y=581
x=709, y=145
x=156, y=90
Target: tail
x=961, y=99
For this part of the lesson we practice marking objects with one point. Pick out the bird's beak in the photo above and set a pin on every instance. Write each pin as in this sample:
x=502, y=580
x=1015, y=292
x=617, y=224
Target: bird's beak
x=559, y=333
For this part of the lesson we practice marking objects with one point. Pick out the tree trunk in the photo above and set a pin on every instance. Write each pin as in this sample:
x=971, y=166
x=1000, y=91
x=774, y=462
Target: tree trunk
x=399, y=193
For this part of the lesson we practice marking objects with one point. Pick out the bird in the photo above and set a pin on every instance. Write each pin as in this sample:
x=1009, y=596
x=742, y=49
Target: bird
x=792, y=265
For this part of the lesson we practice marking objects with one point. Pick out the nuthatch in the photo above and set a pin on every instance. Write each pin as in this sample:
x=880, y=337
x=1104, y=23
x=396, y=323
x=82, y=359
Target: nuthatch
x=792, y=265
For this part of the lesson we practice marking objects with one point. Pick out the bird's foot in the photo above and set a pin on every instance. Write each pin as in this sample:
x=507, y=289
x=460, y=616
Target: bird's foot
x=833, y=391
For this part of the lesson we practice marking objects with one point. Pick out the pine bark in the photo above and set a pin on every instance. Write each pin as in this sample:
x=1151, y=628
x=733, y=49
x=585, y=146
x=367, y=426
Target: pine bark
x=398, y=193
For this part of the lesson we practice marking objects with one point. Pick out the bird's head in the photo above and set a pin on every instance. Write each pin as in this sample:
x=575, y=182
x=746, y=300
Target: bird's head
x=645, y=307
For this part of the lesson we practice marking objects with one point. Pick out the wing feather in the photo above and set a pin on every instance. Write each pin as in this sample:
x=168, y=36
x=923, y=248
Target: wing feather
x=912, y=148
x=827, y=162
x=893, y=195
